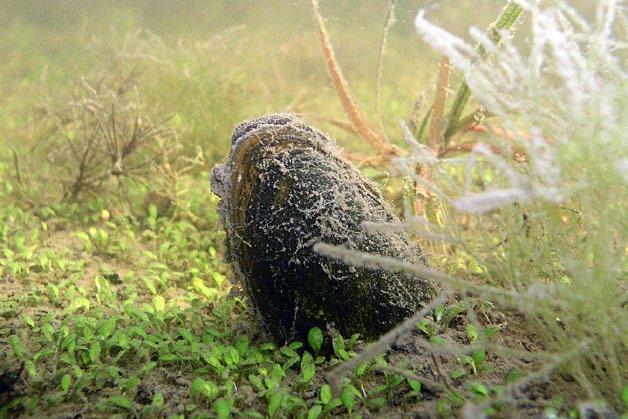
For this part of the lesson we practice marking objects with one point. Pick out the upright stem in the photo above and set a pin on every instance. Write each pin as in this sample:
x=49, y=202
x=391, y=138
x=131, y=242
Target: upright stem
x=355, y=114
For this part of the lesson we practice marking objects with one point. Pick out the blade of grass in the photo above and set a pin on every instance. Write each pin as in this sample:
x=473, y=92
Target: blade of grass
x=506, y=20
x=421, y=130
x=435, y=135
x=438, y=110
x=16, y=164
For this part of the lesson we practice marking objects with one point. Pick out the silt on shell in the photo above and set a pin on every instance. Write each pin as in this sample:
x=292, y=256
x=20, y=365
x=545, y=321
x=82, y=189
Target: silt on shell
x=284, y=188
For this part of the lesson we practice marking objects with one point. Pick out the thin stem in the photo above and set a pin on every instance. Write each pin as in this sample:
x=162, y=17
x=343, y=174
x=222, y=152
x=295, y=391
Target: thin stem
x=382, y=344
x=390, y=21
x=438, y=110
x=355, y=114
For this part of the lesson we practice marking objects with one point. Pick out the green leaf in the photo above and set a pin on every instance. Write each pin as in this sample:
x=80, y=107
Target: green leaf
x=425, y=327
x=256, y=381
x=113, y=371
x=17, y=346
x=107, y=327
x=326, y=394
x=338, y=344
x=491, y=330
x=333, y=403
x=94, y=351
x=455, y=399
x=471, y=362
x=150, y=285
x=414, y=384
x=218, y=278
x=81, y=235
x=315, y=412
x=159, y=302
x=146, y=368
x=308, y=372
x=290, y=353
x=509, y=16
x=377, y=402
x=66, y=381
x=48, y=331
x=361, y=370
x=274, y=404
x=452, y=312
x=204, y=388
x=394, y=380
x=506, y=20
x=53, y=292
x=135, y=312
x=232, y=356
x=289, y=363
x=315, y=338
x=200, y=287
x=169, y=358
x=152, y=210
x=29, y=320
x=347, y=397
x=295, y=345
x=344, y=355
x=211, y=359
x=353, y=340
x=458, y=373
x=223, y=408
x=88, y=333
x=479, y=388
x=437, y=340
x=439, y=311
x=479, y=356
x=78, y=303
x=277, y=373
x=121, y=402
x=30, y=368
x=158, y=400
x=242, y=344
x=307, y=358
x=130, y=384
x=472, y=332
x=514, y=375
x=187, y=335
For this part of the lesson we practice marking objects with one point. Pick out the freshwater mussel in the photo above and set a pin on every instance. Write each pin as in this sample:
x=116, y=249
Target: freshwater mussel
x=284, y=188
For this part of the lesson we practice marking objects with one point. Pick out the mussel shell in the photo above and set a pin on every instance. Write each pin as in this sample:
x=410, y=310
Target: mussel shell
x=285, y=188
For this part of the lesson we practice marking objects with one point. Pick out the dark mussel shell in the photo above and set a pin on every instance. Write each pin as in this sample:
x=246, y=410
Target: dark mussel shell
x=285, y=188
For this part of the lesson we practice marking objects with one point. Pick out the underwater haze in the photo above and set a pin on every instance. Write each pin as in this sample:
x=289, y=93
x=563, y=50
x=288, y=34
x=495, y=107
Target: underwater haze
x=421, y=213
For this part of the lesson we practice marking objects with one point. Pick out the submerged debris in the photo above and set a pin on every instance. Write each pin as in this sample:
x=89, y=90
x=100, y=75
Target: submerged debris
x=285, y=188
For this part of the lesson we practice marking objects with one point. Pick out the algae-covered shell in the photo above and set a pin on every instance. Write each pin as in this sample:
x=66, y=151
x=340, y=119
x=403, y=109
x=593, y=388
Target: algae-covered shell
x=284, y=188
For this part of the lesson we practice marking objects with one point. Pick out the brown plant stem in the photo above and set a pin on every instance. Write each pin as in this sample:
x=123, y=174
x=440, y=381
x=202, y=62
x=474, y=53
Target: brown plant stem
x=355, y=114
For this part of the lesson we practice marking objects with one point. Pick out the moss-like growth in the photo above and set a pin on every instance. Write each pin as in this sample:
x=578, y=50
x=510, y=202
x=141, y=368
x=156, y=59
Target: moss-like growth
x=285, y=188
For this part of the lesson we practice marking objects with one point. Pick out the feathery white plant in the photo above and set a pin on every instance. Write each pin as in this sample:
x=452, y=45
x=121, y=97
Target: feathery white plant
x=558, y=256
x=568, y=91
x=562, y=101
